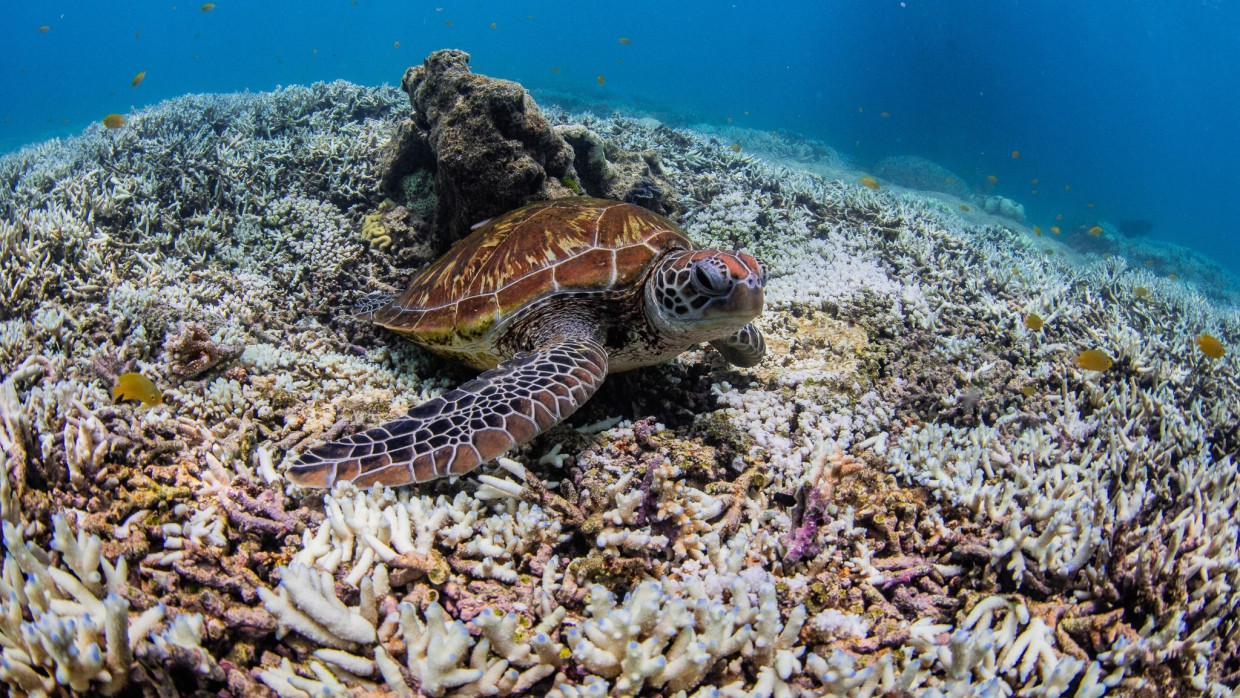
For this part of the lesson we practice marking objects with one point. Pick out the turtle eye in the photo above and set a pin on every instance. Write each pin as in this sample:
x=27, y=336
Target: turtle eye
x=709, y=279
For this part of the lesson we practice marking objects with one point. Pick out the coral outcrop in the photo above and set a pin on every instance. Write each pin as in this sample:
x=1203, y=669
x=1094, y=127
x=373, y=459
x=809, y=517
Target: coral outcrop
x=490, y=148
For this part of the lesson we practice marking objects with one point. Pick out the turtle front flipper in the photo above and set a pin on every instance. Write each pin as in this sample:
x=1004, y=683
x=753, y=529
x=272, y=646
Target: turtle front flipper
x=466, y=427
x=745, y=348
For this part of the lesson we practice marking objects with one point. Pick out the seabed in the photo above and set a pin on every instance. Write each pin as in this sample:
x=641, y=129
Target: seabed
x=913, y=493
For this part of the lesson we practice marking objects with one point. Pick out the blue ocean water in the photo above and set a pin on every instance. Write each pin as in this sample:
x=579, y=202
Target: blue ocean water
x=1132, y=107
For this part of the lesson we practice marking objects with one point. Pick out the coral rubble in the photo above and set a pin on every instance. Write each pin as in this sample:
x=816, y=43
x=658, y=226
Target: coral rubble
x=915, y=493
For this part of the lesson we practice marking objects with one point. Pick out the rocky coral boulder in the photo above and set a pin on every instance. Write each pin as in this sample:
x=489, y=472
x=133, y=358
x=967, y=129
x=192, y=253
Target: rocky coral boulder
x=914, y=172
x=608, y=172
x=484, y=138
x=1003, y=206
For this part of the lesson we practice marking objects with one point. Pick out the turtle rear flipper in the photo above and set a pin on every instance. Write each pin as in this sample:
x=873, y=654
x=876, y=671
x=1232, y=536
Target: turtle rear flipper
x=371, y=302
x=456, y=432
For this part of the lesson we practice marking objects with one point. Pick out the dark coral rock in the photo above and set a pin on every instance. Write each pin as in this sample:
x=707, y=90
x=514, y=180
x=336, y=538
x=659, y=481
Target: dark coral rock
x=611, y=173
x=484, y=138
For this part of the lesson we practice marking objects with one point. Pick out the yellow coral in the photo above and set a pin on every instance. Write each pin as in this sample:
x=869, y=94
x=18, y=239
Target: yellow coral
x=373, y=231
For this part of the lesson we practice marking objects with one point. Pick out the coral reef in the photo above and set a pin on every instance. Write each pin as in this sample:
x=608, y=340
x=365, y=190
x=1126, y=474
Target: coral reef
x=914, y=494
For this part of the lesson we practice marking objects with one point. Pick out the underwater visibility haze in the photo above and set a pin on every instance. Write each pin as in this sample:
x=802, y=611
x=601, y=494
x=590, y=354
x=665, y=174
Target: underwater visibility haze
x=639, y=349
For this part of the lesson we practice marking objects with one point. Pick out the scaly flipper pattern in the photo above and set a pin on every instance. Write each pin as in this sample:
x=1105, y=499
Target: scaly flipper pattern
x=456, y=432
x=745, y=348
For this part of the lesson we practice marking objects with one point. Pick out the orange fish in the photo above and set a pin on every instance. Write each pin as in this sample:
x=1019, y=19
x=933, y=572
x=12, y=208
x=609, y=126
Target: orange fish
x=1096, y=230
x=137, y=79
x=1210, y=346
x=135, y=386
x=1055, y=229
x=113, y=121
x=601, y=81
x=1015, y=154
x=869, y=182
x=208, y=7
x=1094, y=360
x=625, y=40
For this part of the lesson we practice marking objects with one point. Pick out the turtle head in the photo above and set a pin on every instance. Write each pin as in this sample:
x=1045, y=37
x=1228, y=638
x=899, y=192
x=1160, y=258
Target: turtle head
x=700, y=295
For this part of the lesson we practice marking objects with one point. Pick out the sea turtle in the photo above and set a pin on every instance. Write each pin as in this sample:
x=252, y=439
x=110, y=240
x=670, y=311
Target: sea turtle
x=546, y=299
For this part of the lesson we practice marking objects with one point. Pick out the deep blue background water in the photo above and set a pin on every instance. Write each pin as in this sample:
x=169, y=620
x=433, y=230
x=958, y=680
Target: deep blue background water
x=1135, y=105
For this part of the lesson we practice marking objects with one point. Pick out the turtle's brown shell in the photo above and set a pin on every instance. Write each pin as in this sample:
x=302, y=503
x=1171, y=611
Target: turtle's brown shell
x=562, y=246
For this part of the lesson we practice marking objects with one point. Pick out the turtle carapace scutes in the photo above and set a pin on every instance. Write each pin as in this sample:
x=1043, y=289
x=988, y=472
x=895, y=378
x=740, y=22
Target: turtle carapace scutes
x=546, y=300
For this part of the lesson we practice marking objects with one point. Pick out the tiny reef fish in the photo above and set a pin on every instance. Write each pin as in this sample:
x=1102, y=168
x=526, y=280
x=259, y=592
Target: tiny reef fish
x=869, y=182
x=1096, y=230
x=1094, y=360
x=137, y=79
x=1210, y=346
x=113, y=121
x=208, y=7
x=135, y=386
x=1034, y=322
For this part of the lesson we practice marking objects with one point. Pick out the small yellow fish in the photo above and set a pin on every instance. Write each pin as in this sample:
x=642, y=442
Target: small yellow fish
x=395, y=44
x=492, y=25
x=137, y=79
x=1055, y=229
x=1173, y=276
x=729, y=119
x=135, y=386
x=113, y=121
x=625, y=40
x=860, y=110
x=774, y=134
x=601, y=81
x=1149, y=262
x=554, y=69
x=1034, y=182
x=447, y=23
x=1028, y=391
x=1210, y=346
x=1090, y=205
x=885, y=115
x=1094, y=360
x=44, y=29
x=1034, y=192
x=736, y=147
x=1037, y=231
x=1096, y=230
x=1141, y=292
x=1015, y=154
x=1034, y=322
x=869, y=182
x=1059, y=217
x=993, y=179
x=1067, y=187
x=950, y=180
x=208, y=7
x=964, y=207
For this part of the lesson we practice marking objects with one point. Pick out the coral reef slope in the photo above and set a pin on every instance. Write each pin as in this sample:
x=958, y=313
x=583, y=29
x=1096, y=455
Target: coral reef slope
x=914, y=493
